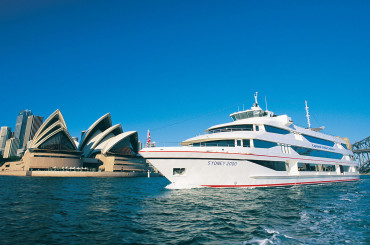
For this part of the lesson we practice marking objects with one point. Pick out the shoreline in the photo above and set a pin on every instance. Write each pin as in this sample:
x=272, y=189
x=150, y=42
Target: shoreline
x=77, y=174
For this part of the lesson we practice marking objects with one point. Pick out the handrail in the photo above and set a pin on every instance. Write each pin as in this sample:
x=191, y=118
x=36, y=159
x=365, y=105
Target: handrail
x=162, y=144
x=212, y=131
x=201, y=144
x=212, y=145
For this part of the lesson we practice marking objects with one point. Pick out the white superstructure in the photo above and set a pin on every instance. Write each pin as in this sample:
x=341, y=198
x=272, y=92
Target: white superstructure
x=258, y=148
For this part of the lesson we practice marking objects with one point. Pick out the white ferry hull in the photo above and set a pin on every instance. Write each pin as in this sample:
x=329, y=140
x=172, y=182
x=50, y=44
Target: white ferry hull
x=222, y=172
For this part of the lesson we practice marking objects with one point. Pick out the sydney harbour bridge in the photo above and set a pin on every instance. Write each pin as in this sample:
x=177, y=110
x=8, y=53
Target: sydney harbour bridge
x=361, y=150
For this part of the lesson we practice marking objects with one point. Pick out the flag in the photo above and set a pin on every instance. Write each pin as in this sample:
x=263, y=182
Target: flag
x=148, y=139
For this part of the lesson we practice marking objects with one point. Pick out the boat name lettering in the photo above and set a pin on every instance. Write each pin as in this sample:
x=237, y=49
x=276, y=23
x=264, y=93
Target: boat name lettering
x=222, y=163
x=323, y=147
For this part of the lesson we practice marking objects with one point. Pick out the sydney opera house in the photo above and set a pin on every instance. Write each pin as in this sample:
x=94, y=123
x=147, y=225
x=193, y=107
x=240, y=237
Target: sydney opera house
x=103, y=148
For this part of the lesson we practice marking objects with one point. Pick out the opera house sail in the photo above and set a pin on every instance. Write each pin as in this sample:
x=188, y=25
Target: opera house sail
x=110, y=148
x=52, y=146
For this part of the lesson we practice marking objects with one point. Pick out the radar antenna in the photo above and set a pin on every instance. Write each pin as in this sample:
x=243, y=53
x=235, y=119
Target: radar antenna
x=255, y=98
x=307, y=115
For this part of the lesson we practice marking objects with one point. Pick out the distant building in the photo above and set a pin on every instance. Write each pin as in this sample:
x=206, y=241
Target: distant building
x=20, y=152
x=11, y=147
x=151, y=144
x=20, y=126
x=75, y=140
x=29, y=143
x=5, y=134
x=82, y=133
x=33, y=124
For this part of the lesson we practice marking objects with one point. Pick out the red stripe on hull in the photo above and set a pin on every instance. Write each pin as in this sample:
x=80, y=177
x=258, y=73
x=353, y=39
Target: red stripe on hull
x=282, y=184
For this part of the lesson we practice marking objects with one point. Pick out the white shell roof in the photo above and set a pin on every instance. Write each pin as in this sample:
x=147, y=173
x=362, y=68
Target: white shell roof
x=91, y=130
x=43, y=128
x=46, y=131
x=113, y=141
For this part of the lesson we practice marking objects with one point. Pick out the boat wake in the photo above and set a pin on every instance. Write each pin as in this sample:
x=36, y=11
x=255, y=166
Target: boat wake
x=274, y=237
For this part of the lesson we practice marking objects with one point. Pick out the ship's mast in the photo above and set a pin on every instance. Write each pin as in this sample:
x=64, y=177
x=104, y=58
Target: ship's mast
x=307, y=115
x=255, y=98
x=266, y=103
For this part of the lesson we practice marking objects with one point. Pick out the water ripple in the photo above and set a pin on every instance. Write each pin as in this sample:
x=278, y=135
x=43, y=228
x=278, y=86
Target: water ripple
x=143, y=211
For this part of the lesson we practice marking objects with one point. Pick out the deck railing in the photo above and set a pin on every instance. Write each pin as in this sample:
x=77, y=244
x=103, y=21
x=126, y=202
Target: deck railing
x=212, y=145
x=212, y=131
x=178, y=144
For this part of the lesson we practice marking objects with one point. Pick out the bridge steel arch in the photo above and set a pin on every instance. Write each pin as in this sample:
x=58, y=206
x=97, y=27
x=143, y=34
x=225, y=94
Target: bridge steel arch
x=361, y=150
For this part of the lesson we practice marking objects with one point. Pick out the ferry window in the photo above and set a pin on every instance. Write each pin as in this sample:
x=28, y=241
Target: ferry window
x=257, y=128
x=246, y=143
x=316, y=153
x=178, y=171
x=275, y=165
x=345, y=146
x=308, y=167
x=276, y=130
x=344, y=168
x=231, y=128
x=263, y=144
x=249, y=114
x=224, y=143
x=328, y=168
x=319, y=141
x=239, y=142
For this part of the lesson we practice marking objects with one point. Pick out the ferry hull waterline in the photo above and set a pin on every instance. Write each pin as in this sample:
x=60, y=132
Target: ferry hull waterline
x=231, y=172
x=258, y=149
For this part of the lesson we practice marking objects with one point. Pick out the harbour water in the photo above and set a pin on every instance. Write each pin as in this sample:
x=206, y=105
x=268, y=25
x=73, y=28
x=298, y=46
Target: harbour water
x=36, y=210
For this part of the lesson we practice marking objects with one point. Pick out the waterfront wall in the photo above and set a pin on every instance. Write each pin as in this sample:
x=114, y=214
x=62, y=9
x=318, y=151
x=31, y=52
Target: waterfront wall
x=49, y=160
x=77, y=174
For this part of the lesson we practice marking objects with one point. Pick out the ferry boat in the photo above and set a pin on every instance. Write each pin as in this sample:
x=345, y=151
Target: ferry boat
x=256, y=149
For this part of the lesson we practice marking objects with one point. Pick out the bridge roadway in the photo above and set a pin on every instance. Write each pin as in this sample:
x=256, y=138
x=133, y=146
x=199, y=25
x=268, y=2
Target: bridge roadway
x=361, y=150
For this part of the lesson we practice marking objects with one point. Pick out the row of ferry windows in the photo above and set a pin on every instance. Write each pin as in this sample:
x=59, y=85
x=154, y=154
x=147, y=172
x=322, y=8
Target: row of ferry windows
x=316, y=153
x=321, y=167
x=268, y=144
x=281, y=166
x=272, y=129
x=317, y=167
x=248, y=127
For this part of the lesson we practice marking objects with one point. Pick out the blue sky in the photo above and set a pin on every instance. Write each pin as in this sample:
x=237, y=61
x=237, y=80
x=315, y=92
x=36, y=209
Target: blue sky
x=179, y=67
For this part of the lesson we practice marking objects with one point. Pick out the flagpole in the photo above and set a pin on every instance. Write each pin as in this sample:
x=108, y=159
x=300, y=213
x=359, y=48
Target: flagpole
x=148, y=139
